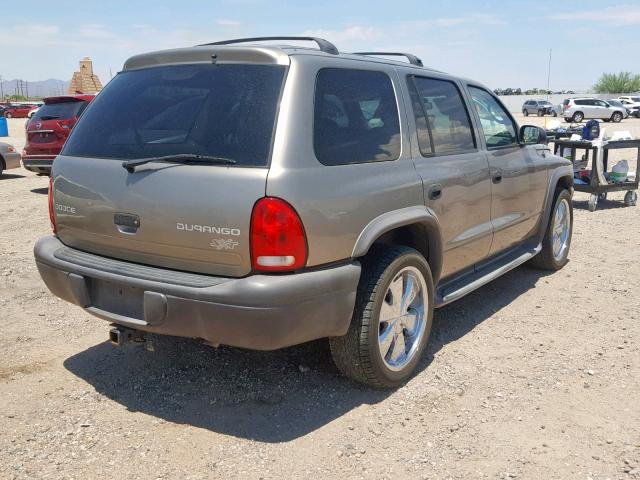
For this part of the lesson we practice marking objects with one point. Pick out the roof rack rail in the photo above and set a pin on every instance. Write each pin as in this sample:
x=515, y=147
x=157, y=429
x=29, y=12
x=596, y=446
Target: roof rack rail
x=413, y=60
x=323, y=44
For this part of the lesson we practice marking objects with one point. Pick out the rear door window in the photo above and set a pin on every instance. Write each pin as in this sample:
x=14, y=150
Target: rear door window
x=442, y=119
x=224, y=111
x=355, y=117
x=60, y=111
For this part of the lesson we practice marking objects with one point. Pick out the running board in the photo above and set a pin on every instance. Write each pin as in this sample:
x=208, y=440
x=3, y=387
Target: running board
x=460, y=287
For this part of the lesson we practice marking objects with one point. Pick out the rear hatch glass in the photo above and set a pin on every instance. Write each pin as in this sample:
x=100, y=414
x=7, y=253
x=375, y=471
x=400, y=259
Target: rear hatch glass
x=214, y=110
x=60, y=111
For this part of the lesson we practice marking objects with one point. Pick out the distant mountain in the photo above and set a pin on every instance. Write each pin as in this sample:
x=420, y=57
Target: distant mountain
x=42, y=88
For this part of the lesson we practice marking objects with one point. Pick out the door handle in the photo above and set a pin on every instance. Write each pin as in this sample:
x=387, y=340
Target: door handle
x=435, y=191
x=497, y=177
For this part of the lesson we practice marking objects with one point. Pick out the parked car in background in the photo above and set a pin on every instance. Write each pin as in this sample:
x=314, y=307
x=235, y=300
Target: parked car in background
x=632, y=103
x=578, y=109
x=49, y=128
x=231, y=202
x=538, y=107
x=33, y=112
x=616, y=103
x=18, y=111
x=9, y=158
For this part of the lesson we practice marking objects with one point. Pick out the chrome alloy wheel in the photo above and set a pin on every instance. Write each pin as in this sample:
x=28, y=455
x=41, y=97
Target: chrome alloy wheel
x=561, y=230
x=402, y=318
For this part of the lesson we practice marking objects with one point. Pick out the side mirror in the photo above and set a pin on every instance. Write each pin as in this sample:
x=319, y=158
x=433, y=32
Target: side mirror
x=532, y=135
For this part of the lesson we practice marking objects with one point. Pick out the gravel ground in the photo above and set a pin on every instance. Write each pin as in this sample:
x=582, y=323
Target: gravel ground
x=534, y=376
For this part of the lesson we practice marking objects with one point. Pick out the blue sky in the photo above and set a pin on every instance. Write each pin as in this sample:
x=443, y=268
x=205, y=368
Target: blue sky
x=499, y=43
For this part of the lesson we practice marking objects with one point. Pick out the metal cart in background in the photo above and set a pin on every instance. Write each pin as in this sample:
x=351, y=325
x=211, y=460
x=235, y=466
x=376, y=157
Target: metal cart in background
x=598, y=185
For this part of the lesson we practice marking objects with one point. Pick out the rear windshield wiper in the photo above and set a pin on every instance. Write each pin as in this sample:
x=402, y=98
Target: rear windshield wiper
x=130, y=165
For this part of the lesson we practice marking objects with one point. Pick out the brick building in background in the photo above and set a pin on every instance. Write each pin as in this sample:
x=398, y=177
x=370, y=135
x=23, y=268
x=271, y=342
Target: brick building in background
x=84, y=80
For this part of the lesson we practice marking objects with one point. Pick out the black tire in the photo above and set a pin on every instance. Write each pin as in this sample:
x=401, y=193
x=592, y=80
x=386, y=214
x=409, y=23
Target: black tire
x=525, y=112
x=540, y=113
x=545, y=260
x=616, y=117
x=568, y=120
x=8, y=115
x=555, y=114
x=577, y=117
x=357, y=354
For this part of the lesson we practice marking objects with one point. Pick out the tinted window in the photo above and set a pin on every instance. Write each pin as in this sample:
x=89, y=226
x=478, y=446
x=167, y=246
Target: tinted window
x=497, y=127
x=581, y=102
x=442, y=120
x=216, y=110
x=355, y=117
x=62, y=111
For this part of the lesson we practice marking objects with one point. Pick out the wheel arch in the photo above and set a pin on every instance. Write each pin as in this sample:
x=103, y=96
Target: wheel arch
x=414, y=227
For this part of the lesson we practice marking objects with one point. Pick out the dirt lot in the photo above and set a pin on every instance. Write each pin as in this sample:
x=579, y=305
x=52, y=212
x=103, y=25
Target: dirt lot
x=534, y=376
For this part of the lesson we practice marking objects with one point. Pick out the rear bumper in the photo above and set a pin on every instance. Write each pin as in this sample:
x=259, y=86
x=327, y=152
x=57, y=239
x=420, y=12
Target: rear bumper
x=260, y=312
x=38, y=164
x=11, y=160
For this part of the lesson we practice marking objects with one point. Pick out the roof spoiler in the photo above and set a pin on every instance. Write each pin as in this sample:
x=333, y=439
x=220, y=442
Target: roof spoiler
x=324, y=45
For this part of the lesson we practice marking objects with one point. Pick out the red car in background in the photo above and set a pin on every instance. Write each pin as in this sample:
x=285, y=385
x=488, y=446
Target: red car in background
x=49, y=128
x=18, y=111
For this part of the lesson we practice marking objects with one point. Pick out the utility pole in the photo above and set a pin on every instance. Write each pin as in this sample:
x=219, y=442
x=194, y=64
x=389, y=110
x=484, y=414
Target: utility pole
x=26, y=83
x=1, y=89
x=549, y=74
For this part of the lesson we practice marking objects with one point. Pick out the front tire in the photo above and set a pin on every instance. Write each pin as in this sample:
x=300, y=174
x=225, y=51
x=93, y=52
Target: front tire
x=392, y=319
x=616, y=117
x=557, y=239
x=525, y=112
x=7, y=115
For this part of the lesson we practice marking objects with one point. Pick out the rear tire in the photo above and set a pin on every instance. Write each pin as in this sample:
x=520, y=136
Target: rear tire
x=630, y=198
x=408, y=312
x=525, y=112
x=8, y=115
x=555, y=246
x=577, y=117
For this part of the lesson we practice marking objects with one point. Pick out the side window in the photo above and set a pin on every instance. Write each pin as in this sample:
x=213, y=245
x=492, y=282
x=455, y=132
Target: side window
x=498, y=128
x=442, y=120
x=581, y=102
x=355, y=117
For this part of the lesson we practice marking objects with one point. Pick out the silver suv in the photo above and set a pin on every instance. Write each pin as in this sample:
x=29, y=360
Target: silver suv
x=538, y=107
x=264, y=196
x=578, y=109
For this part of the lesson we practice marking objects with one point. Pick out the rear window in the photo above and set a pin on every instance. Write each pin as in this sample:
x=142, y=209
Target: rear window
x=214, y=110
x=356, y=117
x=442, y=120
x=60, y=111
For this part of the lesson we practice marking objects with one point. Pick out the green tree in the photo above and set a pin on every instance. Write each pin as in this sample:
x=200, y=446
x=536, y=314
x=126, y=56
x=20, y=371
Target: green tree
x=623, y=82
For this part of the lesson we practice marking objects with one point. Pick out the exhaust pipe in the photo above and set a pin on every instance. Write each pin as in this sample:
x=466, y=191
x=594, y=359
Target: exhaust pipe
x=118, y=336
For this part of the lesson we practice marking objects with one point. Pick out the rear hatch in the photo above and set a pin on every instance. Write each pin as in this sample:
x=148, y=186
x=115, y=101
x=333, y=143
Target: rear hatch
x=50, y=126
x=187, y=212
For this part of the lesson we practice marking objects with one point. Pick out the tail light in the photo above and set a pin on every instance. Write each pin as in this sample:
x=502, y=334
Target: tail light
x=52, y=217
x=66, y=124
x=278, y=240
